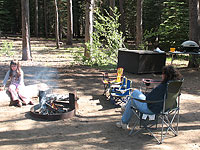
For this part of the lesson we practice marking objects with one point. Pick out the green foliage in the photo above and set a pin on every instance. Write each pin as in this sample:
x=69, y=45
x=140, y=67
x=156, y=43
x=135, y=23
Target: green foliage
x=5, y=48
x=8, y=15
x=107, y=39
x=151, y=21
x=130, y=18
x=174, y=26
x=151, y=14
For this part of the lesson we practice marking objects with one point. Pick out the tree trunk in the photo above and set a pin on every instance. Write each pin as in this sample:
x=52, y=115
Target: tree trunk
x=26, y=48
x=18, y=17
x=59, y=3
x=45, y=18
x=139, y=32
x=193, y=28
x=36, y=18
x=112, y=6
x=198, y=20
x=69, y=22
x=56, y=25
x=122, y=22
x=88, y=25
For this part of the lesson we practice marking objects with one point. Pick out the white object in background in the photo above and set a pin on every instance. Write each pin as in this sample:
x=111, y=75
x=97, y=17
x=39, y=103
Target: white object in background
x=158, y=50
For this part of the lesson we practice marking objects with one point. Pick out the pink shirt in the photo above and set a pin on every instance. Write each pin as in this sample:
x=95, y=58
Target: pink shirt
x=14, y=79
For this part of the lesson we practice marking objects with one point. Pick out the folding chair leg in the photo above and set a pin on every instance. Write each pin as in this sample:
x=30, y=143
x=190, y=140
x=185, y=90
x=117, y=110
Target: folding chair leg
x=168, y=123
x=159, y=141
x=177, y=122
x=134, y=126
x=105, y=88
x=137, y=122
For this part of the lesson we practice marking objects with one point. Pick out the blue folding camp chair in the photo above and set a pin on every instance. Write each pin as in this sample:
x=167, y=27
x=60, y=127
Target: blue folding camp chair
x=117, y=86
x=121, y=94
x=108, y=80
x=114, y=86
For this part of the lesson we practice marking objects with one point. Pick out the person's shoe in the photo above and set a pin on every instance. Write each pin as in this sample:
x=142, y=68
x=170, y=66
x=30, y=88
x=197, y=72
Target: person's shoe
x=18, y=103
x=31, y=103
x=119, y=124
x=125, y=126
x=122, y=125
x=12, y=103
x=123, y=107
x=23, y=102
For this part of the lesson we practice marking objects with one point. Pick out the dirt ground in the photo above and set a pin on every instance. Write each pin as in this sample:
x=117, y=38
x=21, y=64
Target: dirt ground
x=93, y=127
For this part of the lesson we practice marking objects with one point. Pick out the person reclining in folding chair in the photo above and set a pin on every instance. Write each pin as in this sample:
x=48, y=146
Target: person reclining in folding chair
x=168, y=73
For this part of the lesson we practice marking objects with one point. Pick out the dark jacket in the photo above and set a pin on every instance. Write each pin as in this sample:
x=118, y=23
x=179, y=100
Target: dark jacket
x=155, y=95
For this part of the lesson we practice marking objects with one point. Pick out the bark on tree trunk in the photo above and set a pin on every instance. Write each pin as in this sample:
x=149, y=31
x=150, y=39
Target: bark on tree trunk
x=193, y=28
x=69, y=22
x=59, y=3
x=45, y=18
x=139, y=33
x=112, y=5
x=36, y=18
x=122, y=22
x=198, y=21
x=26, y=48
x=56, y=25
x=88, y=25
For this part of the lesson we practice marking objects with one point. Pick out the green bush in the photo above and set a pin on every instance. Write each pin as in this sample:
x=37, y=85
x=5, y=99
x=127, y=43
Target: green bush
x=5, y=49
x=107, y=39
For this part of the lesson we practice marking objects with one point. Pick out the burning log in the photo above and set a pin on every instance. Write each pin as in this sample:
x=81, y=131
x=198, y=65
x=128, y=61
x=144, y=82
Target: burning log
x=55, y=103
x=54, y=107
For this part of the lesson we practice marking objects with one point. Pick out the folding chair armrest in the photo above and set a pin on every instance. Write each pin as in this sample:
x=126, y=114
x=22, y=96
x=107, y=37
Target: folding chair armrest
x=123, y=90
x=116, y=85
x=147, y=82
x=146, y=101
x=105, y=75
x=109, y=78
x=150, y=80
x=112, y=76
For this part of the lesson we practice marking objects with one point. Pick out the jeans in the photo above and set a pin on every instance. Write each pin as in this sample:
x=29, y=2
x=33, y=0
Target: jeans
x=142, y=107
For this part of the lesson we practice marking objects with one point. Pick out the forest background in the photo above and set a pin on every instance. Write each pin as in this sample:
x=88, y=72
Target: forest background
x=140, y=24
x=57, y=29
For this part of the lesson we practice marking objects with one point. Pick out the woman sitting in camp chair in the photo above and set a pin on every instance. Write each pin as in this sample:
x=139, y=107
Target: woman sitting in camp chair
x=168, y=73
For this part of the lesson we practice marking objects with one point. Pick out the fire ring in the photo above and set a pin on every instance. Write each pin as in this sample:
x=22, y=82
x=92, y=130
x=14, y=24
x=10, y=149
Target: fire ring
x=71, y=107
x=51, y=117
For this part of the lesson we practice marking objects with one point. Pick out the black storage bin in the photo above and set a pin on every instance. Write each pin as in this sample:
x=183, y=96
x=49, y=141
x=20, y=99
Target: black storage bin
x=141, y=61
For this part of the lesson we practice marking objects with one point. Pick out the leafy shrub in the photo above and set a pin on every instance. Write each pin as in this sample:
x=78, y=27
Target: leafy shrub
x=107, y=39
x=5, y=48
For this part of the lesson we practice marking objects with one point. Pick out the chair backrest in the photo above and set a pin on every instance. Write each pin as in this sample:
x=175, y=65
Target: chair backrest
x=124, y=81
x=129, y=84
x=119, y=74
x=127, y=87
x=173, y=91
x=126, y=84
x=120, y=71
x=118, y=79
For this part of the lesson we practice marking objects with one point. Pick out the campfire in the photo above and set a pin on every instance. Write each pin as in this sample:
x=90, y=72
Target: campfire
x=53, y=103
x=55, y=106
